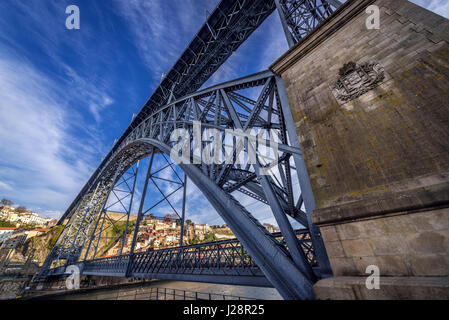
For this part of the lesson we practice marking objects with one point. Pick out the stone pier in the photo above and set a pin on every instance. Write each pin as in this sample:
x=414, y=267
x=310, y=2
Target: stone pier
x=371, y=108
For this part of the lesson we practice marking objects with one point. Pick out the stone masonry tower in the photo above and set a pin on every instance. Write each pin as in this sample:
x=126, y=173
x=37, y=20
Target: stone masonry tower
x=371, y=108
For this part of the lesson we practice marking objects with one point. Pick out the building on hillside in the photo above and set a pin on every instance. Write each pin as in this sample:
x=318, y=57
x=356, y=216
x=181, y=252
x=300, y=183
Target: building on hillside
x=170, y=239
x=156, y=242
x=33, y=218
x=17, y=239
x=6, y=211
x=271, y=228
x=12, y=217
x=203, y=228
x=160, y=226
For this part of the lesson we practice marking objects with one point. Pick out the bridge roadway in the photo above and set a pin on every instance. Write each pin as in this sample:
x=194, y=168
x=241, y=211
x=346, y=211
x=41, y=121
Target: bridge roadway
x=223, y=262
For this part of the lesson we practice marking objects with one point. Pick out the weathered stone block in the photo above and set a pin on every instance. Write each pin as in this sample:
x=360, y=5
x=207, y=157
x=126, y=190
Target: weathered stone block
x=349, y=231
x=334, y=249
x=399, y=224
x=429, y=265
x=357, y=248
x=378, y=162
x=343, y=266
x=429, y=242
x=329, y=234
x=389, y=245
x=391, y=288
x=431, y=220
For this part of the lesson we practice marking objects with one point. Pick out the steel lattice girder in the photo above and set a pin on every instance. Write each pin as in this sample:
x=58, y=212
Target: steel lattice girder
x=229, y=26
x=289, y=271
x=231, y=23
x=300, y=17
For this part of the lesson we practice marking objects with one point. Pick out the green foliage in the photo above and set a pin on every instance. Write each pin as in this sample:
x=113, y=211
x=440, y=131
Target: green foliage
x=6, y=224
x=21, y=209
x=210, y=237
x=56, y=233
x=27, y=225
x=6, y=202
x=121, y=226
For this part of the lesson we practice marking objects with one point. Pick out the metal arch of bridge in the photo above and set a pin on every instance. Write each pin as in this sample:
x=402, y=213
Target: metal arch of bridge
x=224, y=107
x=221, y=107
x=229, y=25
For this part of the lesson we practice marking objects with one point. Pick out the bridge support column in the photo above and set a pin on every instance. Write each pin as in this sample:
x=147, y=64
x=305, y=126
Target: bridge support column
x=370, y=108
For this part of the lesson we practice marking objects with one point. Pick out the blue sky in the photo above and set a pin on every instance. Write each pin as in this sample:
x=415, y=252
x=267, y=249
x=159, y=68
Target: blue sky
x=66, y=95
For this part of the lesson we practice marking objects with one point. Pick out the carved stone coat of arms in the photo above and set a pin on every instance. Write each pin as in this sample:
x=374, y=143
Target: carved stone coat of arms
x=355, y=80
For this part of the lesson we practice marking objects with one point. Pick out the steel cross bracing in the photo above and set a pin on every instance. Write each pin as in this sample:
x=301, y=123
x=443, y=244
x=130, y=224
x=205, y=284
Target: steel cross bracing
x=255, y=102
x=224, y=262
x=300, y=17
x=230, y=24
x=229, y=106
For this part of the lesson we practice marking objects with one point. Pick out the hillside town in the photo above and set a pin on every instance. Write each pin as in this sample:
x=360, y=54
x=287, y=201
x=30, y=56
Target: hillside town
x=16, y=222
x=157, y=233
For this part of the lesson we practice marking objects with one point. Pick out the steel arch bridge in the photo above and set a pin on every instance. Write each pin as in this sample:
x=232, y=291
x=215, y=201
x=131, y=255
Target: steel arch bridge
x=292, y=260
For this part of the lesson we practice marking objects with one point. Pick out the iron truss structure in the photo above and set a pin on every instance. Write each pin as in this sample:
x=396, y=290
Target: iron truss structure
x=290, y=261
x=225, y=262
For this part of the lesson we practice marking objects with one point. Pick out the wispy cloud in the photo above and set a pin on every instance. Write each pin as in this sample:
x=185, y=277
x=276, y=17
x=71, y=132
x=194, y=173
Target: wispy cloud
x=4, y=186
x=162, y=29
x=263, y=47
x=47, y=163
x=52, y=105
x=438, y=6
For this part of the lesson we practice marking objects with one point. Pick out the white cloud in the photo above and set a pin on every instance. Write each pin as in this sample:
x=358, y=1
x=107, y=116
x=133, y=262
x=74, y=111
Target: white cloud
x=162, y=29
x=50, y=213
x=5, y=186
x=89, y=91
x=48, y=165
x=440, y=7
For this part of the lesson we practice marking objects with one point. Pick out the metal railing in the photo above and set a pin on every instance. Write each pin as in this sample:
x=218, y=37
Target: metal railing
x=226, y=254
x=141, y=293
x=175, y=294
x=222, y=258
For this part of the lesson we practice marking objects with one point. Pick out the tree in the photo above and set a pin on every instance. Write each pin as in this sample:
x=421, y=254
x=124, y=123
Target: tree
x=188, y=222
x=6, y=202
x=56, y=232
x=210, y=237
x=21, y=209
x=171, y=216
x=5, y=224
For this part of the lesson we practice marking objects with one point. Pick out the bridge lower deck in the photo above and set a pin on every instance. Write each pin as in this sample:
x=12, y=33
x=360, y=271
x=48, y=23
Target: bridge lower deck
x=223, y=262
